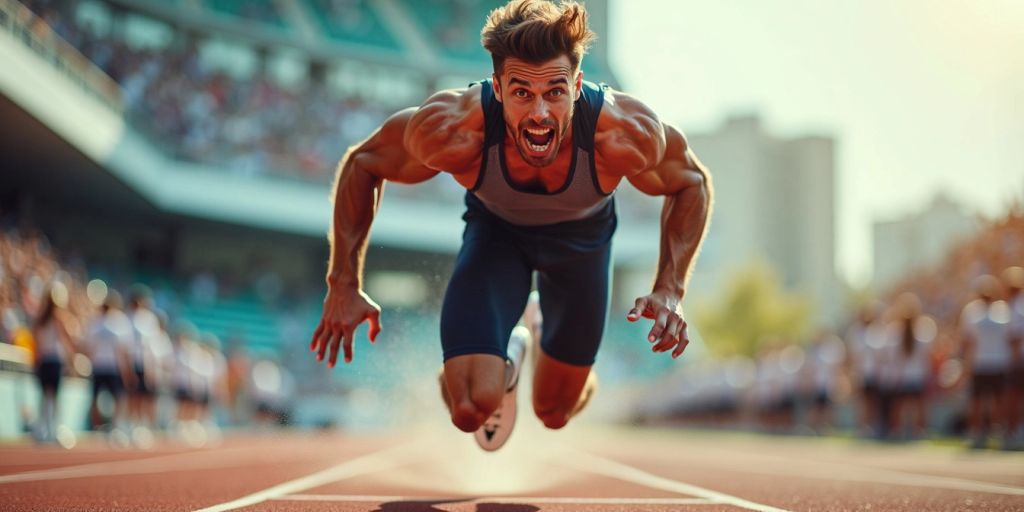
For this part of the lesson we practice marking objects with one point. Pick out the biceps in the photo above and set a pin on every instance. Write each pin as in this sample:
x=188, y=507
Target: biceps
x=384, y=154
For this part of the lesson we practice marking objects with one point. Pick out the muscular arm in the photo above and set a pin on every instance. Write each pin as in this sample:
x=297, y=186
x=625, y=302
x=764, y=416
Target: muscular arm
x=656, y=159
x=410, y=147
x=358, y=189
x=686, y=185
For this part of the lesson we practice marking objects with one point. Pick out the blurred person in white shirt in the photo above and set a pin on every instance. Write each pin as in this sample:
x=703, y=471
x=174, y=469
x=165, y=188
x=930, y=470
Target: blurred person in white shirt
x=908, y=365
x=1013, y=279
x=211, y=372
x=182, y=374
x=146, y=335
x=108, y=345
x=985, y=326
x=865, y=338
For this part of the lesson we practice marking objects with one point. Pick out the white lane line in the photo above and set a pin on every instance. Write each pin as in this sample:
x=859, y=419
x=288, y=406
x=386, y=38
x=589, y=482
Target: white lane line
x=591, y=463
x=499, y=499
x=146, y=465
x=778, y=465
x=376, y=461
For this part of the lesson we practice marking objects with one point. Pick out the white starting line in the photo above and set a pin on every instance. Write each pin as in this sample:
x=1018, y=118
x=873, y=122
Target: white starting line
x=407, y=454
x=499, y=499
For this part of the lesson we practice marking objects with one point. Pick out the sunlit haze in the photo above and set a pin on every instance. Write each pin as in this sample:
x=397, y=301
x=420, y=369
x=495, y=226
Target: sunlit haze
x=920, y=96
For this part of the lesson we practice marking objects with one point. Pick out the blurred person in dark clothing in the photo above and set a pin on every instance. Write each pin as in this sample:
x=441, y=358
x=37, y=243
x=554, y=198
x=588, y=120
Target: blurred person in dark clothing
x=108, y=343
x=825, y=359
x=985, y=325
x=1013, y=279
x=55, y=351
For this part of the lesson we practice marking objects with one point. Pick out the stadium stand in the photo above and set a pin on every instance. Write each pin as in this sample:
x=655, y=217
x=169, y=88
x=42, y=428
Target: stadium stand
x=353, y=22
x=259, y=11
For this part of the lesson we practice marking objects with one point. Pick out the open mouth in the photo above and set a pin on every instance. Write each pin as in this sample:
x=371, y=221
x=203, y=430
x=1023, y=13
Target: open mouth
x=539, y=140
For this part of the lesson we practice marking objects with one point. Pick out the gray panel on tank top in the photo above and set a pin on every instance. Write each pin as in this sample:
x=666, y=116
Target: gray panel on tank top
x=579, y=200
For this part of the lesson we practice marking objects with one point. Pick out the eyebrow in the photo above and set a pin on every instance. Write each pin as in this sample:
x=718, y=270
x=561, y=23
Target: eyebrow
x=520, y=81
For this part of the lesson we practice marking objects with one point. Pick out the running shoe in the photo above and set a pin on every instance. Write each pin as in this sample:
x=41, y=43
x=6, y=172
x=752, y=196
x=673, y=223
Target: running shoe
x=496, y=430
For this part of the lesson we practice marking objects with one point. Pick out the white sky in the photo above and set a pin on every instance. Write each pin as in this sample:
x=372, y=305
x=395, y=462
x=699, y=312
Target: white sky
x=921, y=95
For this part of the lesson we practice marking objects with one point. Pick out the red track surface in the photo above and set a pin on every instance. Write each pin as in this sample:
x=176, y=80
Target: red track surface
x=573, y=470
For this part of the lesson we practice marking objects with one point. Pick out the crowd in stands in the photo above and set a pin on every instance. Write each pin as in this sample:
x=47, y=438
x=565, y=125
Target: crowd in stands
x=254, y=126
x=130, y=350
x=939, y=353
x=250, y=126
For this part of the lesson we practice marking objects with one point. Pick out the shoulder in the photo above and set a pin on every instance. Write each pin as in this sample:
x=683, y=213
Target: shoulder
x=447, y=130
x=629, y=134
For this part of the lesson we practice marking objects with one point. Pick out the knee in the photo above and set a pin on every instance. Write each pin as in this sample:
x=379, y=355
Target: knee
x=466, y=417
x=469, y=415
x=554, y=418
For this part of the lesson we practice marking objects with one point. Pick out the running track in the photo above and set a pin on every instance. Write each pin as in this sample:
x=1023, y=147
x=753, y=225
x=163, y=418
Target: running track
x=577, y=469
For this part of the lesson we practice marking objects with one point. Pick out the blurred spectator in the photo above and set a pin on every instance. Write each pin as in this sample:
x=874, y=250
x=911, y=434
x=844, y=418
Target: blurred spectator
x=825, y=359
x=986, y=337
x=54, y=353
x=865, y=339
x=238, y=370
x=272, y=388
x=147, y=352
x=905, y=367
x=108, y=345
x=1013, y=279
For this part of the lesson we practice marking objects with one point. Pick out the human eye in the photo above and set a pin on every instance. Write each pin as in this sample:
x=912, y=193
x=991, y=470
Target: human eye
x=555, y=93
x=521, y=93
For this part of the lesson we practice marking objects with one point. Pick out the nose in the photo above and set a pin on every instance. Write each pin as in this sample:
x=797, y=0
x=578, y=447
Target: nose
x=539, y=111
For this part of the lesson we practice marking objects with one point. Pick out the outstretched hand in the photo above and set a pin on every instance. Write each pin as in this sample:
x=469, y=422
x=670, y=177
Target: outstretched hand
x=344, y=310
x=669, y=331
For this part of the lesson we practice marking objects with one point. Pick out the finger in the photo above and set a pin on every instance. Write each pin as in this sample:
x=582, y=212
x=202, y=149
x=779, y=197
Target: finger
x=336, y=340
x=374, y=319
x=638, y=310
x=347, y=345
x=325, y=341
x=683, y=342
x=316, y=336
x=659, y=326
x=670, y=337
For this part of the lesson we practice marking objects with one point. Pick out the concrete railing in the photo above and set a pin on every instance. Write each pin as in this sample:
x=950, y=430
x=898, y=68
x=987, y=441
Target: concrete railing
x=35, y=34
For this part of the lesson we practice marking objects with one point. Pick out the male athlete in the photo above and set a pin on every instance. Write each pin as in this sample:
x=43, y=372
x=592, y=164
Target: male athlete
x=540, y=153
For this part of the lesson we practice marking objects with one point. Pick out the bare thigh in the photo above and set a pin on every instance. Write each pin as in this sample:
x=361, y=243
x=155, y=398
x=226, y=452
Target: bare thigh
x=475, y=384
x=557, y=388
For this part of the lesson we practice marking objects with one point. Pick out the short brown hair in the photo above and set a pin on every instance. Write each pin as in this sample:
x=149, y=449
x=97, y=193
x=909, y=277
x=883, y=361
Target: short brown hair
x=537, y=31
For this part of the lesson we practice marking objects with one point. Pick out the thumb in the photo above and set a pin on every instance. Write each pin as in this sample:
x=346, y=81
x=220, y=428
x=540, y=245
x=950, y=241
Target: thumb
x=374, y=319
x=638, y=310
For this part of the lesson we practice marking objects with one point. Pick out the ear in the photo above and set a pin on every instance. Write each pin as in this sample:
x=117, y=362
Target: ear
x=496, y=87
x=579, y=83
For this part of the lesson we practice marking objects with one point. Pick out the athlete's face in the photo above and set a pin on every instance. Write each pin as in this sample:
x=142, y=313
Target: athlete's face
x=537, y=100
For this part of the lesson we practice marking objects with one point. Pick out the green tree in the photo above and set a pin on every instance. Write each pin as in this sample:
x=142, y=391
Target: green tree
x=753, y=308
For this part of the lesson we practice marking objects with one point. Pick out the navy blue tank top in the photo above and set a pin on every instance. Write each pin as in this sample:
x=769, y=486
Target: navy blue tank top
x=578, y=198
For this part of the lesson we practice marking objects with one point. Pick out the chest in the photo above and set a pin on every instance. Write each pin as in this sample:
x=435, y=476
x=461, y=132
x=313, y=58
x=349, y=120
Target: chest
x=540, y=179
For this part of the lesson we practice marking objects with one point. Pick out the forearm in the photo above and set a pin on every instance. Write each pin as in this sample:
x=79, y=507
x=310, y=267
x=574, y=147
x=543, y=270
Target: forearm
x=684, y=221
x=356, y=197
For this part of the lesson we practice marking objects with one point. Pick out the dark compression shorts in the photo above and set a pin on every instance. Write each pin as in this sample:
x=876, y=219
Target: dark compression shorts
x=494, y=272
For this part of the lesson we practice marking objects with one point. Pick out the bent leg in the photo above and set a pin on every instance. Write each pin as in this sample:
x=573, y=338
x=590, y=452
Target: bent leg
x=473, y=386
x=574, y=296
x=560, y=390
x=485, y=298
